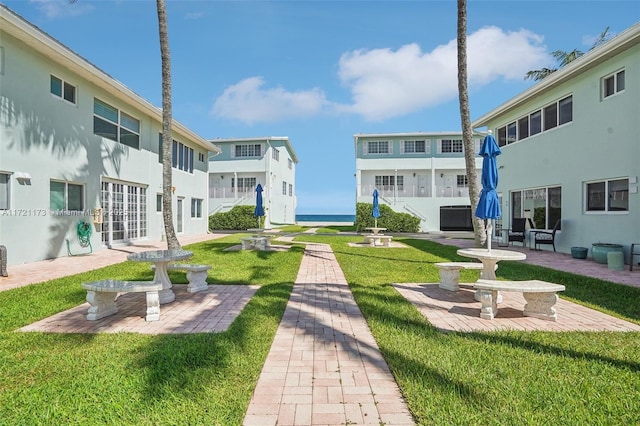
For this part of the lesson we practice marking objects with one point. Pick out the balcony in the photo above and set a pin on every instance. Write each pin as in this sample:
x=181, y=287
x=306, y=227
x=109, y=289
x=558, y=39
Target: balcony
x=414, y=191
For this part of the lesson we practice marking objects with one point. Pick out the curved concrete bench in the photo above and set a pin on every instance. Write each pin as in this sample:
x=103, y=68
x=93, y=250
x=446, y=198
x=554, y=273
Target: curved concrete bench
x=450, y=273
x=101, y=295
x=378, y=240
x=259, y=243
x=196, y=274
x=541, y=297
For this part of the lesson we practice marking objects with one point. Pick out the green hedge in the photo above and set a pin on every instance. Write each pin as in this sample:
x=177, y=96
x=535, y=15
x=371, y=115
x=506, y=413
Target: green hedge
x=239, y=218
x=393, y=221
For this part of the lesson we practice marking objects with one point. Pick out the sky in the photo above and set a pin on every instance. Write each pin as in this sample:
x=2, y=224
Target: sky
x=320, y=72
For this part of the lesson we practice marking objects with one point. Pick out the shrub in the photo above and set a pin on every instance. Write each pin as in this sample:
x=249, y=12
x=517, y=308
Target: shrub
x=393, y=221
x=239, y=218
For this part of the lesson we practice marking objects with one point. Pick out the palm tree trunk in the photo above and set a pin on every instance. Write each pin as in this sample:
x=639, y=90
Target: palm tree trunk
x=167, y=139
x=467, y=131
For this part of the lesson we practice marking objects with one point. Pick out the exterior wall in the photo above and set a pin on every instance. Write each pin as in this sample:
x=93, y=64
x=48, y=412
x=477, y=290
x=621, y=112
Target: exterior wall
x=429, y=179
x=268, y=172
x=47, y=138
x=601, y=143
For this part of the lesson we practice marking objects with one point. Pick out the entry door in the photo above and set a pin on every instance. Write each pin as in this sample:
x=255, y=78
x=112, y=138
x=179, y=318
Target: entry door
x=179, y=215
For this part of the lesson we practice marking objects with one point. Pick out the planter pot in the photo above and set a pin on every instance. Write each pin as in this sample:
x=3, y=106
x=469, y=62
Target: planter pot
x=599, y=251
x=579, y=252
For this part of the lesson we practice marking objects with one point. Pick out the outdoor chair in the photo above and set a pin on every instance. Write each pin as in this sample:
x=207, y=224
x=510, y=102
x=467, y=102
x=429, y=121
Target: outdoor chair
x=546, y=237
x=517, y=231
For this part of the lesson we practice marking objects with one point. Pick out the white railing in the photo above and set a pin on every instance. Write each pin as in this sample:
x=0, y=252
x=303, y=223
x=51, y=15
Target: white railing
x=228, y=192
x=414, y=191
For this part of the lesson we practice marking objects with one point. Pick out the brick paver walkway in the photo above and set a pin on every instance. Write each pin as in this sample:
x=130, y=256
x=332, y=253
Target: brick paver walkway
x=324, y=367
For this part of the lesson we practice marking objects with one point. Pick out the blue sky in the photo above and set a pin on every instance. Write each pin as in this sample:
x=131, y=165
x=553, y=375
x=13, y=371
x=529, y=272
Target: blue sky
x=321, y=71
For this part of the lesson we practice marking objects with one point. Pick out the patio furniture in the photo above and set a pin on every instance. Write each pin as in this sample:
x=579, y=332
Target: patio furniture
x=450, y=273
x=378, y=240
x=161, y=259
x=546, y=237
x=517, y=231
x=541, y=297
x=102, y=294
x=196, y=274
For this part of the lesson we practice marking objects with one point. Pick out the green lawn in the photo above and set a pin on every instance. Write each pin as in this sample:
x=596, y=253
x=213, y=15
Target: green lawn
x=511, y=378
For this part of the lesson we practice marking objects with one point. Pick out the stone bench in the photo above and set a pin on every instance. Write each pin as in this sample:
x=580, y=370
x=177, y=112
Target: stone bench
x=260, y=243
x=541, y=297
x=101, y=295
x=378, y=240
x=450, y=273
x=196, y=274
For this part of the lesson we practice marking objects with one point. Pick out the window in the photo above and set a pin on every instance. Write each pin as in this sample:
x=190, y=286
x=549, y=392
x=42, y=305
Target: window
x=66, y=196
x=284, y=188
x=275, y=154
x=196, y=207
x=158, y=202
x=181, y=155
x=612, y=84
x=290, y=163
x=550, y=116
x=388, y=182
x=607, y=196
x=450, y=145
x=244, y=184
x=414, y=147
x=377, y=147
x=4, y=191
x=63, y=90
x=290, y=190
x=112, y=124
x=523, y=128
x=201, y=157
x=461, y=181
x=254, y=150
x=542, y=205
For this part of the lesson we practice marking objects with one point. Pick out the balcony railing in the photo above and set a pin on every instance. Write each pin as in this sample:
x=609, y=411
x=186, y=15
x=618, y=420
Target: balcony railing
x=229, y=192
x=414, y=191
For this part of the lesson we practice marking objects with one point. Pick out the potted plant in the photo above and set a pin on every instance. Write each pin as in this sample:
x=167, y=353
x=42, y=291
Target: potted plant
x=599, y=251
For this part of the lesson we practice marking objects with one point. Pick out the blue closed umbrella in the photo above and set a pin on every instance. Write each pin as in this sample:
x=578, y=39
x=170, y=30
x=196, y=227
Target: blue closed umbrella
x=489, y=204
x=376, y=208
x=259, y=211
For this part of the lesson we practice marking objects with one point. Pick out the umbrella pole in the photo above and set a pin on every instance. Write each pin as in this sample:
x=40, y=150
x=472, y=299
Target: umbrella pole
x=489, y=232
x=375, y=222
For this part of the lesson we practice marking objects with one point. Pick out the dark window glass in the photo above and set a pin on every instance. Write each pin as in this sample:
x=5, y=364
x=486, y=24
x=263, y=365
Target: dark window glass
x=56, y=86
x=502, y=136
x=620, y=81
x=511, y=133
x=609, y=86
x=70, y=93
x=596, y=200
x=129, y=138
x=535, y=123
x=566, y=110
x=523, y=128
x=551, y=116
x=105, y=129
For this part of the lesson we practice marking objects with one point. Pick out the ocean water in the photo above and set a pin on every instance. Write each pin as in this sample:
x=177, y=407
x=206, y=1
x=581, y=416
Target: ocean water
x=331, y=218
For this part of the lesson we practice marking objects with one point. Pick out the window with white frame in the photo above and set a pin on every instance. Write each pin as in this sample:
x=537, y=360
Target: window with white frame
x=158, y=203
x=251, y=150
x=290, y=163
x=377, y=147
x=462, y=181
x=201, y=157
x=284, y=188
x=607, y=196
x=551, y=116
x=290, y=190
x=63, y=89
x=4, y=191
x=245, y=184
x=414, y=147
x=196, y=207
x=111, y=123
x=387, y=183
x=450, y=146
x=275, y=154
x=66, y=196
x=612, y=84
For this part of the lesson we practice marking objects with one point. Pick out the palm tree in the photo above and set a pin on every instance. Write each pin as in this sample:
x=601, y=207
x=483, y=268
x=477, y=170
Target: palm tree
x=467, y=131
x=565, y=58
x=167, y=139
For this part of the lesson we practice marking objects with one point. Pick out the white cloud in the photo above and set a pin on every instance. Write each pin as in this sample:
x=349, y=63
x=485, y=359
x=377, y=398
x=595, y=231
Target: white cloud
x=249, y=102
x=386, y=83
x=53, y=9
